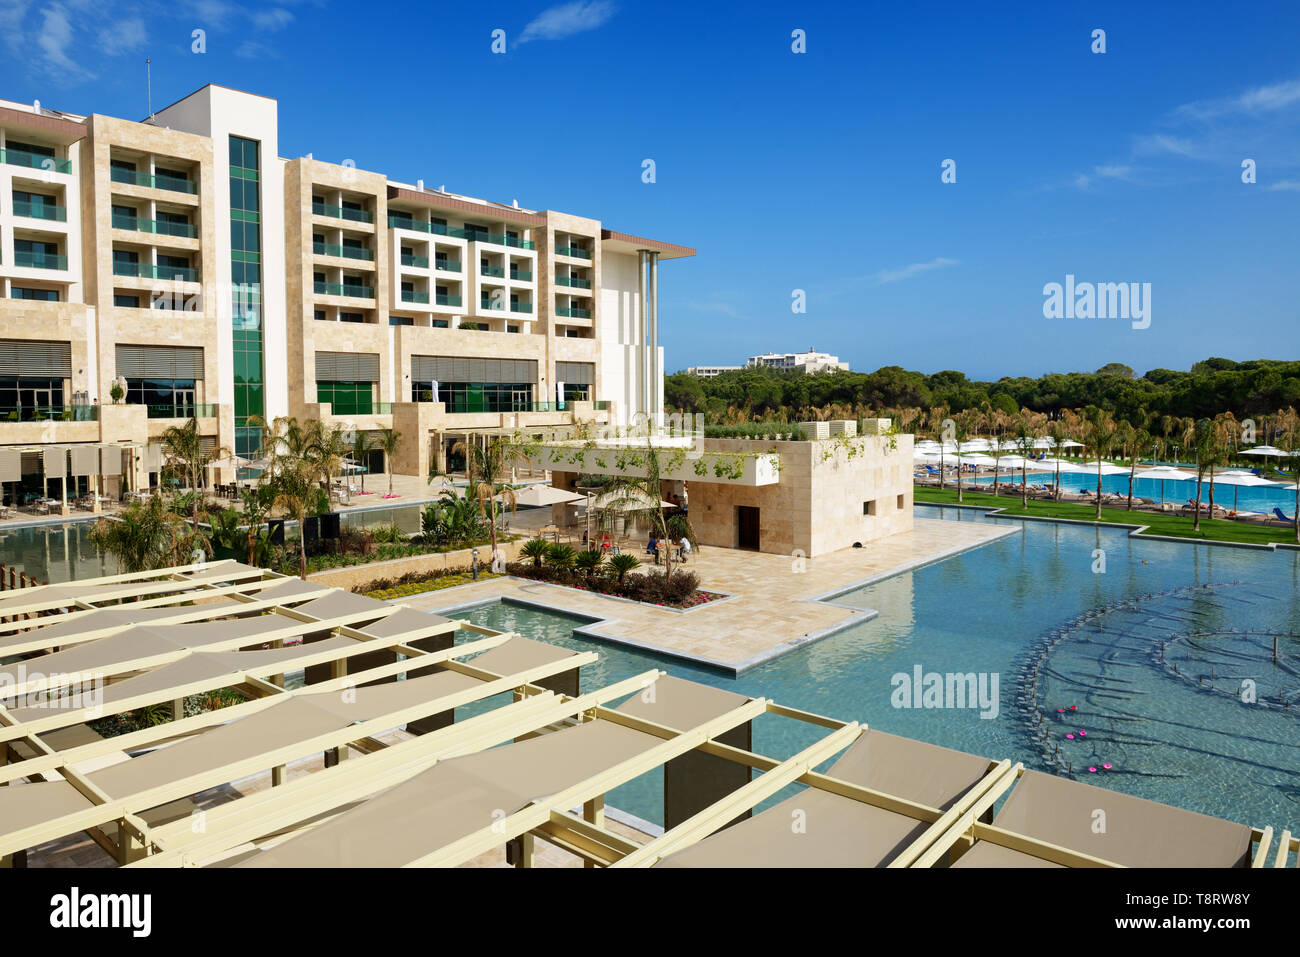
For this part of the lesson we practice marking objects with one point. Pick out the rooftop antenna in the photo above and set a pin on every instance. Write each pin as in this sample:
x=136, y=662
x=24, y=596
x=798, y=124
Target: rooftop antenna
x=148, y=85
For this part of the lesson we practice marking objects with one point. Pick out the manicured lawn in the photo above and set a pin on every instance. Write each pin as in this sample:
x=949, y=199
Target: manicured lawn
x=1160, y=523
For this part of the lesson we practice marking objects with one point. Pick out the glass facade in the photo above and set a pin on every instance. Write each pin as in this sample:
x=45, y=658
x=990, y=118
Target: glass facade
x=347, y=398
x=246, y=282
x=477, y=396
x=23, y=398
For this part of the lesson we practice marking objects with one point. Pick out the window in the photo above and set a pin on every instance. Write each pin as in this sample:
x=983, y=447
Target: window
x=401, y=321
x=164, y=398
x=351, y=317
x=126, y=302
x=38, y=295
x=26, y=398
x=869, y=508
x=902, y=502
x=440, y=324
x=511, y=328
x=347, y=398
x=320, y=315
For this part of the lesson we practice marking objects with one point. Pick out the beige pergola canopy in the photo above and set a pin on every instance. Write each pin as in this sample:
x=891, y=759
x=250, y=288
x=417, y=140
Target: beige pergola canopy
x=453, y=788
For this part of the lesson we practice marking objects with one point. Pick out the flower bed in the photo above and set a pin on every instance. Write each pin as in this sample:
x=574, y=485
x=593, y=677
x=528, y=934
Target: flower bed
x=386, y=590
x=651, y=588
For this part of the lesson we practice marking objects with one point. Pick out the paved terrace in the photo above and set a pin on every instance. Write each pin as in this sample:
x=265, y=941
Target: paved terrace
x=789, y=608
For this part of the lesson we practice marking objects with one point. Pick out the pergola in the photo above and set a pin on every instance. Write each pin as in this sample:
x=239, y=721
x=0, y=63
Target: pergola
x=535, y=767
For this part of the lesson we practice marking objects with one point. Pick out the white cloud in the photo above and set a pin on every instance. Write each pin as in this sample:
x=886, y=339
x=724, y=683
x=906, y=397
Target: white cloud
x=915, y=269
x=566, y=19
x=1109, y=171
x=1261, y=99
x=123, y=36
x=53, y=38
x=276, y=18
x=1289, y=185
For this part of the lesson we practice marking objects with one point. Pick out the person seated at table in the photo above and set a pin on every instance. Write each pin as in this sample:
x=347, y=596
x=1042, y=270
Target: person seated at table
x=685, y=548
x=653, y=547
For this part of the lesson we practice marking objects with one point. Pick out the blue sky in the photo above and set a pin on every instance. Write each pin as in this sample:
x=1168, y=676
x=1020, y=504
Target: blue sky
x=817, y=171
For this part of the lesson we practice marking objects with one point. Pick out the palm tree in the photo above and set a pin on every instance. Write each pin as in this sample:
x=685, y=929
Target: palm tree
x=938, y=415
x=536, y=549
x=362, y=446
x=298, y=494
x=643, y=490
x=485, y=465
x=147, y=535
x=589, y=560
x=1201, y=439
x=1101, y=436
x=1059, y=432
x=328, y=449
x=1289, y=422
x=182, y=446
x=389, y=442
x=622, y=563
x=1135, y=438
x=1024, y=435
x=561, y=556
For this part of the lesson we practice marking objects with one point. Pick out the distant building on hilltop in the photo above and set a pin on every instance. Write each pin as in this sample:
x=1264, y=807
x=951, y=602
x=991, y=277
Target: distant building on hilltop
x=803, y=361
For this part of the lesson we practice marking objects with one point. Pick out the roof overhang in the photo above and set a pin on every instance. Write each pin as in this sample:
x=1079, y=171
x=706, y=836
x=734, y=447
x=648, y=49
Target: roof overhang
x=436, y=200
x=627, y=243
x=52, y=128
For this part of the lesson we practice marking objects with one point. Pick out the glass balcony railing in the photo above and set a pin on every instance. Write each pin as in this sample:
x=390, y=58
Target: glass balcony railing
x=522, y=307
x=35, y=260
x=176, y=184
x=49, y=413
x=416, y=262
x=150, y=271
x=447, y=300
x=577, y=252
x=447, y=265
x=573, y=282
x=346, y=252
x=499, y=239
x=30, y=210
x=413, y=295
x=521, y=275
x=600, y=405
x=572, y=312
x=495, y=271
x=183, y=410
x=344, y=289
x=160, y=227
x=342, y=212
x=35, y=161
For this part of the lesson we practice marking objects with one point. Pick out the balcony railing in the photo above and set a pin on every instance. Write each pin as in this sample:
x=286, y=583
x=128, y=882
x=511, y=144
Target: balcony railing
x=342, y=212
x=576, y=252
x=150, y=271
x=499, y=239
x=176, y=184
x=58, y=214
x=35, y=161
x=413, y=295
x=344, y=289
x=447, y=265
x=417, y=262
x=572, y=312
x=160, y=227
x=573, y=282
x=495, y=271
x=522, y=275
x=523, y=307
x=437, y=229
x=346, y=252
x=34, y=260
x=447, y=300
x=183, y=410
x=49, y=413
x=600, y=405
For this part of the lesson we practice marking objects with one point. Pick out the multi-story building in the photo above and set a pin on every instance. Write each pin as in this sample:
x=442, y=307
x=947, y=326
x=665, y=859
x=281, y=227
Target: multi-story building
x=183, y=261
x=708, y=372
x=809, y=361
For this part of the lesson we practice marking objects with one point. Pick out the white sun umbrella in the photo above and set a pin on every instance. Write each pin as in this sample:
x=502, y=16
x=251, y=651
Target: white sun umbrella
x=535, y=496
x=629, y=500
x=1239, y=477
x=1071, y=444
x=1163, y=473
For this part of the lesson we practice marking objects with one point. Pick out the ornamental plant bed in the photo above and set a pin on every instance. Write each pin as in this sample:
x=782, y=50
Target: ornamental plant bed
x=405, y=589
x=651, y=588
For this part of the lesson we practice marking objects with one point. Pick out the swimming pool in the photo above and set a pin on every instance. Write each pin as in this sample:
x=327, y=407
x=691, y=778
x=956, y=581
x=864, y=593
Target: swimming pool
x=54, y=552
x=1016, y=608
x=1256, y=498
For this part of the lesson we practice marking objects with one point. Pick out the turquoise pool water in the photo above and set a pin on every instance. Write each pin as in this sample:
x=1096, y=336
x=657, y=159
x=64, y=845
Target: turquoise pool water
x=1257, y=498
x=1031, y=609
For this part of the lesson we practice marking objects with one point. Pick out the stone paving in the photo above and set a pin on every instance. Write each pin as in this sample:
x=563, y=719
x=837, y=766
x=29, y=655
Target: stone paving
x=772, y=607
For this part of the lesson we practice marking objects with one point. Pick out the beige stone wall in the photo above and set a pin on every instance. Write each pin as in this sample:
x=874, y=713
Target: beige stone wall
x=365, y=574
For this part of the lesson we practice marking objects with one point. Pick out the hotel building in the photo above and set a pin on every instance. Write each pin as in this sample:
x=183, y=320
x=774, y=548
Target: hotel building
x=185, y=261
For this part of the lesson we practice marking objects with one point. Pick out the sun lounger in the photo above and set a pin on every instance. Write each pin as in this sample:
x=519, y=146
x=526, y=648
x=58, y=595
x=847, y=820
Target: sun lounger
x=1281, y=515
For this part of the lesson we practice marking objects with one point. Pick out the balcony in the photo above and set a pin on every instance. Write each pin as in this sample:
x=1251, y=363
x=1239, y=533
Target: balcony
x=521, y=275
x=495, y=272
x=150, y=271
x=57, y=214
x=499, y=239
x=182, y=410
x=160, y=181
x=417, y=262
x=344, y=289
x=49, y=413
x=34, y=260
x=35, y=161
x=447, y=265
x=160, y=227
x=447, y=300
x=572, y=312
x=576, y=252
x=522, y=307
x=346, y=252
x=572, y=282
x=411, y=295
x=436, y=229
x=342, y=212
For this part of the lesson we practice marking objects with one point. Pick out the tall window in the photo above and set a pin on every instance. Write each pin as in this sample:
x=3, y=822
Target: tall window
x=246, y=277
